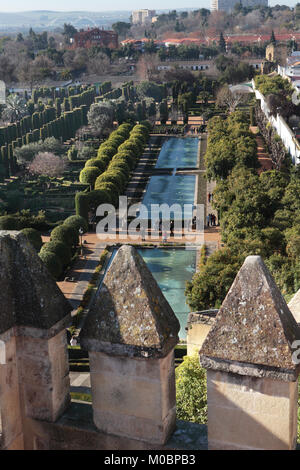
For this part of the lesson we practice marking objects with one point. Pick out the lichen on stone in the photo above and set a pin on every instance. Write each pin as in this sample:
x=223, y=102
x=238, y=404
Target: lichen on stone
x=29, y=296
x=254, y=324
x=130, y=310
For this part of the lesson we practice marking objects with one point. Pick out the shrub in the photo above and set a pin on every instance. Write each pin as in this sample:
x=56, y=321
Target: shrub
x=34, y=237
x=116, y=140
x=95, y=162
x=107, y=149
x=138, y=137
x=89, y=174
x=85, y=153
x=52, y=263
x=129, y=146
x=138, y=141
x=77, y=222
x=72, y=153
x=82, y=204
x=113, y=176
x=8, y=222
x=191, y=395
x=99, y=196
x=127, y=156
x=111, y=190
x=124, y=131
x=60, y=249
x=65, y=234
x=105, y=159
x=120, y=165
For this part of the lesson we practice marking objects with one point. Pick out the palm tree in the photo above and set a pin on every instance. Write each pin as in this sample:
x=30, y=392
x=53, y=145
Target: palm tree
x=15, y=108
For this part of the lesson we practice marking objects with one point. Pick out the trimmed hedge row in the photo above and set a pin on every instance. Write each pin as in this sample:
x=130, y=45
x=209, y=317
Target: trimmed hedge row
x=63, y=126
x=95, y=166
x=119, y=154
x=58, y=252
x=47, y=121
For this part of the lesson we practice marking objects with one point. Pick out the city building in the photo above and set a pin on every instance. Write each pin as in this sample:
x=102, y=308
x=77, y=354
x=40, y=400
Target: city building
x=228, y=5
x=291, y=69
x=96, y=37
x=143, y=16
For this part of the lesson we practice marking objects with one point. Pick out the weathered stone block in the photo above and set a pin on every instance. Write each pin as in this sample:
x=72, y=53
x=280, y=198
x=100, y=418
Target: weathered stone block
x=252, y=377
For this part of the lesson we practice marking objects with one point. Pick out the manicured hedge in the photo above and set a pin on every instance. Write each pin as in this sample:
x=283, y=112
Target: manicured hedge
x=77, y=222
x=120, y=154
x=60, y=249
x=95, y=162
x=89, y=174
x=65, y=234
x=52, y=263
x=8, y=222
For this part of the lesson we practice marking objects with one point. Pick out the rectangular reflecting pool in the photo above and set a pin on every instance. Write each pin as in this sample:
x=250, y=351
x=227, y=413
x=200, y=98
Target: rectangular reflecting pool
x=170, y=189
x=171, y=268
x=178, y=152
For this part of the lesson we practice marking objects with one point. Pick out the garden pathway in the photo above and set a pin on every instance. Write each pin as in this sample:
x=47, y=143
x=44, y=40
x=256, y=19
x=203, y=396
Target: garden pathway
x=263, y=156
x=82, y=270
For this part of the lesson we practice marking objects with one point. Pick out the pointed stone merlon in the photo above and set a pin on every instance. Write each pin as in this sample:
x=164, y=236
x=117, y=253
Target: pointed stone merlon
x=252, y=365
x=294, y=306
x=34, y=380
x=130, y=333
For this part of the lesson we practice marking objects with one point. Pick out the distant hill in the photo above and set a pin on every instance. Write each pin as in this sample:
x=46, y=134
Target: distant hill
x=50, y=20
x=45, y=20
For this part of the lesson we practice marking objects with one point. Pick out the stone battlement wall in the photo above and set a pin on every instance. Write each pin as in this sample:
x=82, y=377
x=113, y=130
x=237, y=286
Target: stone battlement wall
x=130, y=334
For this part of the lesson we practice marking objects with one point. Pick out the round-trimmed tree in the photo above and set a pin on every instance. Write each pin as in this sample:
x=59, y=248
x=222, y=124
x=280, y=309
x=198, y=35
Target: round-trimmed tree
x=77, y=222
x=60, y=249
x=52, y=263
x=66, y=234
x=89, y=174
x=8, y=222
x=95, y=162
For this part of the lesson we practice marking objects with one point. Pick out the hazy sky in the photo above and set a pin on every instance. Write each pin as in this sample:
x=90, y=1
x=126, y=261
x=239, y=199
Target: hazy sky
x=96, y=5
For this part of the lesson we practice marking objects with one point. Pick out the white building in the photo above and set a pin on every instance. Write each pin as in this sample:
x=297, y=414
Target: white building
x=143, y=16
x=292, y=68
x=289, y=139
x=228, y=5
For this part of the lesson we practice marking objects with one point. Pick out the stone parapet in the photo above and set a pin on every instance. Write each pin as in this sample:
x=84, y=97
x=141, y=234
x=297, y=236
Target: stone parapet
x=130, y=333
x=252, y=376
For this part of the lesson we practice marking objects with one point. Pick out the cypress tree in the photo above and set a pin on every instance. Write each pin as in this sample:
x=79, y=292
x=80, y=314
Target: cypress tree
x=222, y=43
x=272, y=39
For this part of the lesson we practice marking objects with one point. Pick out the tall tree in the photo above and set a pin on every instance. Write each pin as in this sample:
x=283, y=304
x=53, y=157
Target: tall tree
x=222, y=43
x=69, y=32
x=273, y=39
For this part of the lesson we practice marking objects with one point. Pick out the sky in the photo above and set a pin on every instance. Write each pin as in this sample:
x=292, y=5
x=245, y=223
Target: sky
x=95, y=5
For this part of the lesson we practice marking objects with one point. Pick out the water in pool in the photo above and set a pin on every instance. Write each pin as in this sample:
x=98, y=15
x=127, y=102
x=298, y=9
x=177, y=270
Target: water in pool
x=170, y=189
x=171, y=269
x=178, y=152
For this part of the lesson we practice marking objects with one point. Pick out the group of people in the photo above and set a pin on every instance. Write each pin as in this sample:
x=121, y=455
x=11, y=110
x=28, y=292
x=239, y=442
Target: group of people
x=196, y=130
x=163, y=228
x=174, y=130
x=211, y=220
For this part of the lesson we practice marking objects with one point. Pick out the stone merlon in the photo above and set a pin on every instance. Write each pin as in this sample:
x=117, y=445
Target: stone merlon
x=130, y=316
x=254, y=329
x=29, y=297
